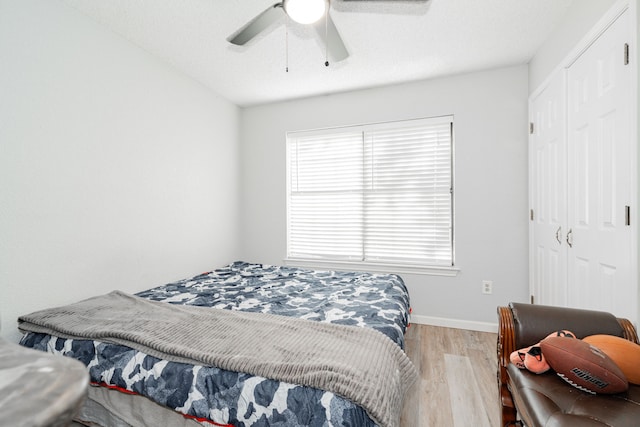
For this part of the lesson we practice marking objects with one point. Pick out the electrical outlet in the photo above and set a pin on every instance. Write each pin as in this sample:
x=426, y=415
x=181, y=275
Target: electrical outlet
x=487, y=287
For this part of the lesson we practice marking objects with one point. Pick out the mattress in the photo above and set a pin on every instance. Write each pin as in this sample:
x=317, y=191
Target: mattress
x=215, y=396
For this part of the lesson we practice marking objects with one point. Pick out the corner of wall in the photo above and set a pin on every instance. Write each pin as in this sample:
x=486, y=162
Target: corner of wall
x=580, y=18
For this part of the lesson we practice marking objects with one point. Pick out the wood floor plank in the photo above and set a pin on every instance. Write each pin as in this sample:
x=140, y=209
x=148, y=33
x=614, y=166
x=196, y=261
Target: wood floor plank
x=467, y=406
x=485, y=362
x=457, y=384
x=435, y=407
x=411, y=408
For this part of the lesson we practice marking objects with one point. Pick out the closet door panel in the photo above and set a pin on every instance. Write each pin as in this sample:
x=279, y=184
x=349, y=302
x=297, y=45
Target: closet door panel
x=548, y=195
x=580, y=153
x=599, y=184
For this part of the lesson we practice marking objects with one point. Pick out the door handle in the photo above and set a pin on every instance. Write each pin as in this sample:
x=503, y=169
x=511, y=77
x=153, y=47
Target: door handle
x=570, y=238
x=558, y=238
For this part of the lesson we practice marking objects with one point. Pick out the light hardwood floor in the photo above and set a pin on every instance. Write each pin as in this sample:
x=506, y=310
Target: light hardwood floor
x=457, y=384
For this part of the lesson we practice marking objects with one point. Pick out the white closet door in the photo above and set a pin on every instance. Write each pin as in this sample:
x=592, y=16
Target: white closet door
x=599, y=180
x=548, y=199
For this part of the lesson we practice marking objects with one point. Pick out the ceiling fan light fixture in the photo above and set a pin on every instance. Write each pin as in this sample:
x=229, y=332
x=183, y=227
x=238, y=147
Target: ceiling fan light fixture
x=305, y=11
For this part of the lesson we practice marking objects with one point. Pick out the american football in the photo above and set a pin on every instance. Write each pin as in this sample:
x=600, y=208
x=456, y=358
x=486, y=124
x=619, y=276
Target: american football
x=584, y=366
x=624, y=353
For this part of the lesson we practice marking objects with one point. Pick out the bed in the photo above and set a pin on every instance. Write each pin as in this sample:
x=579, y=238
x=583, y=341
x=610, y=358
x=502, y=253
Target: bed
x=136, y=384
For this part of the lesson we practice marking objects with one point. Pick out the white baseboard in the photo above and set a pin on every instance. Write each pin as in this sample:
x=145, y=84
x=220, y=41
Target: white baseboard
x=455, y=323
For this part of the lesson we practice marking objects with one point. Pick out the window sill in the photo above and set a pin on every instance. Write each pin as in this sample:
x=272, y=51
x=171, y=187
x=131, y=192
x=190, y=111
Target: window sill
x=373, y=267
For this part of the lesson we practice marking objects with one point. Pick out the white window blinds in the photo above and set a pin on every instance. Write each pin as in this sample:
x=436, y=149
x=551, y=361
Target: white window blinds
x=377, y=193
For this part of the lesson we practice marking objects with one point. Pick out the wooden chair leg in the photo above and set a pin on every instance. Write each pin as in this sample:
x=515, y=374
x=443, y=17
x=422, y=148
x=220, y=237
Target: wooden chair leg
x=507, y=411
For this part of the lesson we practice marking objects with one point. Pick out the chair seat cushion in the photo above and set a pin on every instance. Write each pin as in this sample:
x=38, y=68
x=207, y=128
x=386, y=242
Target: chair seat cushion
x=547, y=400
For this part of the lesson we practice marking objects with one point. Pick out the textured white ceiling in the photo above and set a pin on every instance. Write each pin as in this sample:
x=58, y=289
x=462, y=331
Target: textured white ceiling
x=389, y=41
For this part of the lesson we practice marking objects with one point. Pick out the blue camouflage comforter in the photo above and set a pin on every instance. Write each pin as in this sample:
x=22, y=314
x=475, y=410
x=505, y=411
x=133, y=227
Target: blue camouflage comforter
x=209, y=394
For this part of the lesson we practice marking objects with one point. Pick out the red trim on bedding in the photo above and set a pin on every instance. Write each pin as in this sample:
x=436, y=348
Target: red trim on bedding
x=205, y=420
x=115, y=387
x=125, y=391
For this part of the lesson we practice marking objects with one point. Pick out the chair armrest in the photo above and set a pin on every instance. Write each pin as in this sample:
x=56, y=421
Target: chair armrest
x=505, y=346
x=629, y=331
x=506, y=335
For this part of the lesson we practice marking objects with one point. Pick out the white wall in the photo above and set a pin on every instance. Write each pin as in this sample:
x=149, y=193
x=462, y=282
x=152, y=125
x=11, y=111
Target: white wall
x=580, y=18
x=116, y=172
x=490, y=110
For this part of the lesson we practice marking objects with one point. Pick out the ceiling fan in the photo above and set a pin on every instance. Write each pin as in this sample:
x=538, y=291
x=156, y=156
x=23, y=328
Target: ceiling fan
x=306, y=12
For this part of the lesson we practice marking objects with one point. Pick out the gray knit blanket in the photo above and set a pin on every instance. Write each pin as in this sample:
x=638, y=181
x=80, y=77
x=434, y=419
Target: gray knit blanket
x=359, y=364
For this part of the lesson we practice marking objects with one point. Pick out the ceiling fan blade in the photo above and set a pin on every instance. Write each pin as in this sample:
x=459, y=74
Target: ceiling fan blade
x=257, y=25
x=330, y=35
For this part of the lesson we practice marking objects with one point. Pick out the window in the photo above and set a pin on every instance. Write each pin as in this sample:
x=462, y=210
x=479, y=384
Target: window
x=375, y=194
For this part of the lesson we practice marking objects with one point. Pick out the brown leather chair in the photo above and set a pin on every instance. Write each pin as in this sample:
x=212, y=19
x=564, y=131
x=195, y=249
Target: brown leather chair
x=546, y=399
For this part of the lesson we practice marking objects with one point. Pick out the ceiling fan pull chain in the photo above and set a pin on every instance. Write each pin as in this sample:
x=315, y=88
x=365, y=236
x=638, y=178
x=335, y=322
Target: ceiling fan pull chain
x=286, y=42
x=326, y=34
